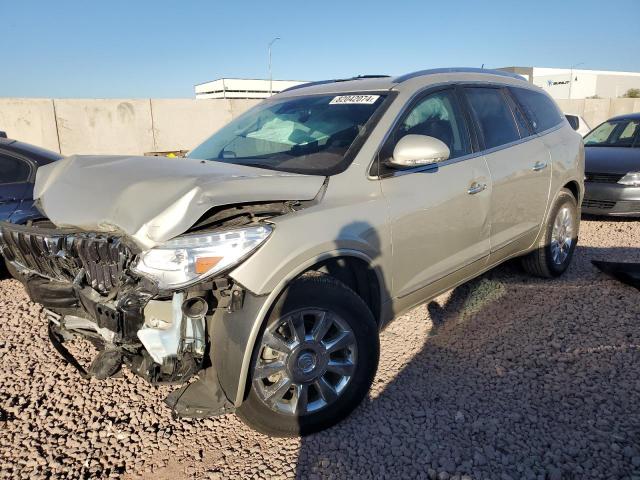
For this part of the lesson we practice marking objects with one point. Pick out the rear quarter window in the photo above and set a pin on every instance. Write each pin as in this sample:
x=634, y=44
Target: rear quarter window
x=542, y=112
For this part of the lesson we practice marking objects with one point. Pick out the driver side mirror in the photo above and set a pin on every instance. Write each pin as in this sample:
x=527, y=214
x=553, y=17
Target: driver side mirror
x=416, y=150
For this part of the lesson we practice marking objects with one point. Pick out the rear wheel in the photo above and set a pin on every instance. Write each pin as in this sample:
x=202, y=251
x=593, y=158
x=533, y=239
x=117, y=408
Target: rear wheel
x=558, y=240
x=315, y=360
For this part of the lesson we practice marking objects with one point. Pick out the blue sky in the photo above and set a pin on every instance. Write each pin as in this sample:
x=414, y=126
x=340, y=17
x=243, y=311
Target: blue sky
x=143, y=48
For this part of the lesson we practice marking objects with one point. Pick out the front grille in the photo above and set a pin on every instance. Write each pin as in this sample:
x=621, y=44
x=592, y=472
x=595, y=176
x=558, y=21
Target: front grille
x=60, y=255
x=602, y=177
x=628, y=206
x=600, y=204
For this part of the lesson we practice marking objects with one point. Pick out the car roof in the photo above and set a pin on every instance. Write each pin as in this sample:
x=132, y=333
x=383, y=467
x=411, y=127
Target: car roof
x=39, y=155
x=367, y=83
x=627, y=116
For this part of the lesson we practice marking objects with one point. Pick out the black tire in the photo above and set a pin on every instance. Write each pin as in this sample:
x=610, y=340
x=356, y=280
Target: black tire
x=540, y=261
x=327, y=293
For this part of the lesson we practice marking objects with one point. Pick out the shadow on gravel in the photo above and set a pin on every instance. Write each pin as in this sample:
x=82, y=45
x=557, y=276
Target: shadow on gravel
x=517, y=378
x=604, y=218
x=6, y=416
x=4, y=273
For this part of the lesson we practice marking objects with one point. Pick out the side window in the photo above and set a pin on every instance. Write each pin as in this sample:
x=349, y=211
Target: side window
x=521, y=121
x=13, y=170
x=541, y=110
x=494, y=116
x=601, y=134
x=629, y=133
x=438, y=115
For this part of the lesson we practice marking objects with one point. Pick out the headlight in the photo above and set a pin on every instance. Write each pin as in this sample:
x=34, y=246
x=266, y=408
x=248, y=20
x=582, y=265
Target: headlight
x=190, y=258
x=631, y=179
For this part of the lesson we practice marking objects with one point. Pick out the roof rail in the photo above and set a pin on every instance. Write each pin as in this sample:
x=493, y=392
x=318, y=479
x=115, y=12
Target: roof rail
x=434, y=71
x=323, y=82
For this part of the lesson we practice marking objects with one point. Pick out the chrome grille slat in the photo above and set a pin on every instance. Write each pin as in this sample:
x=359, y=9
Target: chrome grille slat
x=602, y=177
x=61, y=255
x=602, y=204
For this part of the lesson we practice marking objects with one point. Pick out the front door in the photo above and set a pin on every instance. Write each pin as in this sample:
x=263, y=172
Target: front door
x=439, y=214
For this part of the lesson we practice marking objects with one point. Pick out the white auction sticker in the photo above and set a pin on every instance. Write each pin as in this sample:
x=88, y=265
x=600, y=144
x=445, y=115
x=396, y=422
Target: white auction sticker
x=354, y=99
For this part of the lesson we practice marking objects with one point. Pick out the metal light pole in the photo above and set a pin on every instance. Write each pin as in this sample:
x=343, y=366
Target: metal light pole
x=571, y=77
x=270, y=75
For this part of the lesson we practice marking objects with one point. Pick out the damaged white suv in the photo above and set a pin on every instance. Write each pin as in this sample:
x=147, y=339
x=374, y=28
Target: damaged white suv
x=263, y=266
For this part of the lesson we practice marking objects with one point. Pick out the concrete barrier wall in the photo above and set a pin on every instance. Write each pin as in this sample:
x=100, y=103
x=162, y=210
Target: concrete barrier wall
x=597, y=110
x=186, y=123
x=133, y=127
x=30, y=119
x=114, y=126
x=117, y=127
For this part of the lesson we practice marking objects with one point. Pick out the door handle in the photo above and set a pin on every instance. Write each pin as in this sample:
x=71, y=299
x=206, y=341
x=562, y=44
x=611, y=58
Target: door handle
x=539, y=166
x=476, y=188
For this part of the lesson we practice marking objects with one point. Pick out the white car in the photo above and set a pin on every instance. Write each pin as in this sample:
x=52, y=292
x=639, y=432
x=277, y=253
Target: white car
x=578, y=124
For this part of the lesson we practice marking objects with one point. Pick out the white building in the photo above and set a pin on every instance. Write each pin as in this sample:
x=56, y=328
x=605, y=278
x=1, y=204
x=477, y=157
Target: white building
x=242, y=88
x=578, y=83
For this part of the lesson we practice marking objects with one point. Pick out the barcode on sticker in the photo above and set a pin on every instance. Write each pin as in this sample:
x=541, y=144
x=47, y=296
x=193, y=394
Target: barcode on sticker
x=351, y=99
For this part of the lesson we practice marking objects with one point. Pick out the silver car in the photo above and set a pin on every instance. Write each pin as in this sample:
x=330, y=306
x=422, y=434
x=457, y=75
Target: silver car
x=258, y=272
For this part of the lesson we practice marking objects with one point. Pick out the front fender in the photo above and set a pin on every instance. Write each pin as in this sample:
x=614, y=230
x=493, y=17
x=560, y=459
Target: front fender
x=233, y=334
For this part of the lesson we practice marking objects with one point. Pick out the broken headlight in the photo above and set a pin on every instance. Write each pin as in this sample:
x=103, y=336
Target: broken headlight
x=191, y=258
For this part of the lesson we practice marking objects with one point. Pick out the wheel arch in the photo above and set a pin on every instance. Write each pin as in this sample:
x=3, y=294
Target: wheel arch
x=359, y=275
x=574, y=187
x=353, y=267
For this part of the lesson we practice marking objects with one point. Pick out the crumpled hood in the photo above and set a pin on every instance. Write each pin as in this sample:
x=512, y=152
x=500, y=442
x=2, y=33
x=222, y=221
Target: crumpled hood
x=153, y=199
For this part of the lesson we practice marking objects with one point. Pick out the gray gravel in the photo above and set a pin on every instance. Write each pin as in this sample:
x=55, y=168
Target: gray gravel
x=505, y=378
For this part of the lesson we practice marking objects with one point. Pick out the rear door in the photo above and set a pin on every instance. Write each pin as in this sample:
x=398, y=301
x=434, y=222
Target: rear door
x=14, y=183
x=440, y=213
x=520, y=167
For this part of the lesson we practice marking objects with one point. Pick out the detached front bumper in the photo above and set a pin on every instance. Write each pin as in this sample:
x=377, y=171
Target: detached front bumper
x=158, y=339
x=86, y=288
x=611, y=199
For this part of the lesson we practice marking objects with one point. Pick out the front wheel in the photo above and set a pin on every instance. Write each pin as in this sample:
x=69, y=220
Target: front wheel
x=558, y=239
x=315, y=360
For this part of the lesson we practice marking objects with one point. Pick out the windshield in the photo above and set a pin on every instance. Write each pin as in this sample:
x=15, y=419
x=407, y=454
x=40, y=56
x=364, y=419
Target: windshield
x=615, y=133
x=310, y=135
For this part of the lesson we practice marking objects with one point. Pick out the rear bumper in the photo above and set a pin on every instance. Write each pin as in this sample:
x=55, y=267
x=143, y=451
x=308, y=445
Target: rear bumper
x=611, y=199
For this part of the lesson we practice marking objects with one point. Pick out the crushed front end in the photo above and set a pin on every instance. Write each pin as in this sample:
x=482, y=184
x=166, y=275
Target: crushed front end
x=134, y=306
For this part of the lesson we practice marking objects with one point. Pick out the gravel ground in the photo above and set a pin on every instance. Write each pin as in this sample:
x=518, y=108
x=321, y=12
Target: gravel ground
x=507, y=377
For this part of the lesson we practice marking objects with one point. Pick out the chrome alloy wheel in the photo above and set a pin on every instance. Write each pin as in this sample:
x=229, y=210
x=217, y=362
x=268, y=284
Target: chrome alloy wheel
x=562, y=235
x=305, y=362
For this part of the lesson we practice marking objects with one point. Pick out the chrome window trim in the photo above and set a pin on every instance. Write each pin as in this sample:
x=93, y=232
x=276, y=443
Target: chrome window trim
x=552, y=129
x=432, y=167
